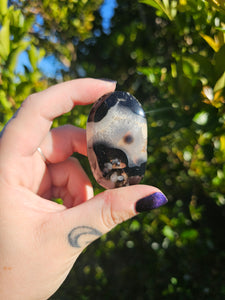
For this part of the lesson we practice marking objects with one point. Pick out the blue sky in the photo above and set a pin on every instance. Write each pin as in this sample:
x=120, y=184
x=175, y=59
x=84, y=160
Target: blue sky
x=49, y=64
x=107, y=12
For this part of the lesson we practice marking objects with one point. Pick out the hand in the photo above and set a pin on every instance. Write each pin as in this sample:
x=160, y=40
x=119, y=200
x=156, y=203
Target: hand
x=40, y=239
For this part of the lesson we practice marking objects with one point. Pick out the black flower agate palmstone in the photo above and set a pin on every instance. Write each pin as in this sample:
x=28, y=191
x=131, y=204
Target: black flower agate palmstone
x=117, y=140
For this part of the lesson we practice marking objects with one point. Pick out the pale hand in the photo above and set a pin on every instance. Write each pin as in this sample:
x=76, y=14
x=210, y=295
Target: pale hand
x=39, y=239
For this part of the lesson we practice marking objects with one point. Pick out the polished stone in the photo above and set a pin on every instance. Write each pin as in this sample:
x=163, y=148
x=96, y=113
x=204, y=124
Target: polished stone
x=117, y=140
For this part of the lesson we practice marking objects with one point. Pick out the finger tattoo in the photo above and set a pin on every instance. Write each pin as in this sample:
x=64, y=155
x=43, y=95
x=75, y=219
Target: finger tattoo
x=81, y=236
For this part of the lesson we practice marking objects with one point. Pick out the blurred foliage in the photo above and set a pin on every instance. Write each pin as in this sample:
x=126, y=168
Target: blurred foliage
x=171, y=55
x=60, y=26
x=14, y=40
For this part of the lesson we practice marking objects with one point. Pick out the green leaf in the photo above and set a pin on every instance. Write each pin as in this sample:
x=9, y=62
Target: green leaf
x=220, y=84
x=190, y=66
x=151, y=3
x=41, y=54
x=218, y=4
x=189, y=235
x=206, y=66
x=35, y=76
x=3, y=7
x=201, y=118
x=163, y=6
x=5, y=39
x=4, y=101
x=16, y=18
x=168, y=232
x=135, y=225
x=145, y=70
x=220, y=61
x=13, y=56
x=220, y=29
x=24, y=89
x=211, y=42
x=33, y=57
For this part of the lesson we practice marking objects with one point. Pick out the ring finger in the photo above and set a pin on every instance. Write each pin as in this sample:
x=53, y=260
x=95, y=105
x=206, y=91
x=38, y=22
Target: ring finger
x=68, y=182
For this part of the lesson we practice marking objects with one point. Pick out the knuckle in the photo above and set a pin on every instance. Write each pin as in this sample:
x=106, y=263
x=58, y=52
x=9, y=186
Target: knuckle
x=29, y=100
x=108, y=218
x=112, y=215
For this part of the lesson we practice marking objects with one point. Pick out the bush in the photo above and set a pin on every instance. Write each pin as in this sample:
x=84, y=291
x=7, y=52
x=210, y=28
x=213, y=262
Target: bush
x=170, y=55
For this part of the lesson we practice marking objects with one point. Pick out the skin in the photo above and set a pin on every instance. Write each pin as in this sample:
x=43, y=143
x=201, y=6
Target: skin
x=39, y=239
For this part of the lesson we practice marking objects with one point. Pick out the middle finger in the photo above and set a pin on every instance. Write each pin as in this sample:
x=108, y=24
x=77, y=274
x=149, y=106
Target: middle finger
x=62, y=142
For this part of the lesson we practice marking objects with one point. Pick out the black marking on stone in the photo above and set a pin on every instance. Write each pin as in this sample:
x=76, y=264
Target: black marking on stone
x=101, y=107
x=96, y=109
x=74, y=237
x=137, y=170
x=131, y=102
x=112, y=99
x=106, y=154
x=101, y=112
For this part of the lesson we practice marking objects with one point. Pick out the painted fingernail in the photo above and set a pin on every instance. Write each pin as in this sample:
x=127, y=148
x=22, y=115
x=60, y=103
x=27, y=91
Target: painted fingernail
x=151, y=202
x=108, y=80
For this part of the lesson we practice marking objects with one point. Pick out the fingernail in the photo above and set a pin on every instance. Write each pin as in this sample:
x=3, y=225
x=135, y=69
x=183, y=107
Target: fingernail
x=108, y=80
x=151, y=202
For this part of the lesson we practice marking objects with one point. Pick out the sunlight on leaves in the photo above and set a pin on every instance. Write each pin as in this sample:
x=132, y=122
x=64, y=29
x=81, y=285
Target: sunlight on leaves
x=166, y=7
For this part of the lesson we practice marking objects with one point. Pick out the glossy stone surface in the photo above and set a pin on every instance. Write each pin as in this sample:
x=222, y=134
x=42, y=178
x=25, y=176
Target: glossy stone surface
x=117, y=140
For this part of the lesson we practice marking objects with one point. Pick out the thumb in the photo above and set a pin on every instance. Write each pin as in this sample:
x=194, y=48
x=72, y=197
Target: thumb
x=89, y=220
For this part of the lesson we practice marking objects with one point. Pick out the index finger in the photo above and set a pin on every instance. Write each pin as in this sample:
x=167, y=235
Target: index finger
x=26, y=131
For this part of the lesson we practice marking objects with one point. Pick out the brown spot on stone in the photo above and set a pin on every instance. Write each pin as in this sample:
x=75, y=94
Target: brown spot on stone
x=128, y=138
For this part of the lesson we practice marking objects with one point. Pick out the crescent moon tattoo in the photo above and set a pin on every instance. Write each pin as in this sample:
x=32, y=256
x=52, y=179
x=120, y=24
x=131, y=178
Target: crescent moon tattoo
x=81, y=236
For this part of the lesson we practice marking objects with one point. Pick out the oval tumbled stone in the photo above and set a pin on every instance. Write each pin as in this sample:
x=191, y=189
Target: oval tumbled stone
x=117, y=140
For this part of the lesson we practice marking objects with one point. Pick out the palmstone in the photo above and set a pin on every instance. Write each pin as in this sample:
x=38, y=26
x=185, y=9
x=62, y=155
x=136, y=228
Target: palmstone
x=117, y=140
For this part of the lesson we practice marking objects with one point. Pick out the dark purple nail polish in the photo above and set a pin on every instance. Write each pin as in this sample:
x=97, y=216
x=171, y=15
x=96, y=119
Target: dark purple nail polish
x=109, y=80
x=151, y=202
